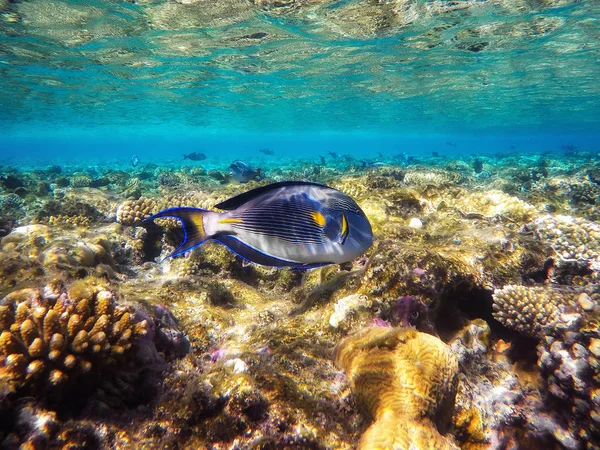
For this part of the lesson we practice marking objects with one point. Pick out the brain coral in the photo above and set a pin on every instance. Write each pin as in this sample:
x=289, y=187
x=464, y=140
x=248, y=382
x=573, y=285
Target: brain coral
x=406, y=380
x=49, y=337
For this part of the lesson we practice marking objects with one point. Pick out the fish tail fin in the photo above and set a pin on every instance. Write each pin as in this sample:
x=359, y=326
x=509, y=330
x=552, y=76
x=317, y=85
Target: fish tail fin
x=185, y=157
x=192, y=221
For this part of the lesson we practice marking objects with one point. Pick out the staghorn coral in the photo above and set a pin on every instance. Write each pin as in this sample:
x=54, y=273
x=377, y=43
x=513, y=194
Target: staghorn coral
x=406, y=380
x=51, y=336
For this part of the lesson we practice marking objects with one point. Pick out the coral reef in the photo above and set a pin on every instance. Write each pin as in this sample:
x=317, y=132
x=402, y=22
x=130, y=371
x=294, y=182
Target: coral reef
x=80, y=180
x=434, y=177
x=529, y=310
x=407, y=381
x=132, y=212
x=501, y=265
x=51, y=337
x=572, y=239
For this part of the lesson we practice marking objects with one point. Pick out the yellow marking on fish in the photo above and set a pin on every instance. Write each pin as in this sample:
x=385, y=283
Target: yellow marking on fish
x=318, y=218
x=344, y=224
x=231, y=221
x=198, y=220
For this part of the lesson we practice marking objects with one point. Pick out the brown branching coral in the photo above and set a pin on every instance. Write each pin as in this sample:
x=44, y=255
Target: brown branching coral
x=50, y=337
x=531, y=310
x=406, y=380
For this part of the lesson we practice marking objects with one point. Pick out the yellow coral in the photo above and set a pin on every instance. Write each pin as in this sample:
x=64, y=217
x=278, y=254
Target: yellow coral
x=134, y=211
x=406, y=380
x=69, y=221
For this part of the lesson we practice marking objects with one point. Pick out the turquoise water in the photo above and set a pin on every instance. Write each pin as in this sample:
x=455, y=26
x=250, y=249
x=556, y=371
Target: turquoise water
x=99, y=80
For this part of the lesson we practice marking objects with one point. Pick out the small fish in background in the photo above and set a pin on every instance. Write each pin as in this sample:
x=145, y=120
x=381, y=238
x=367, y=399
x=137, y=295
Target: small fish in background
x=512, y=147
x=435, y=154
x=451, y=144
x=478, y=165
x=323, y=162
x=195, y=156
x=288, y=224
x=380, y=155
x=242, y=172
x=400, y=158
x=134, y=161
x=219, y=176
x=267, y=151
x=569, y=149
x=334, y=155
x=372, y=164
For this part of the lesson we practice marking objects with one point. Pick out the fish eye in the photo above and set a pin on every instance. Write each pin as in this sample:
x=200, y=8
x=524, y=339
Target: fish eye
x=415, y=314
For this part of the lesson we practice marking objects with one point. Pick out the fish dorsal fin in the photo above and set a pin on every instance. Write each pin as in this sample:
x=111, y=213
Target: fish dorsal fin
x=238, y=200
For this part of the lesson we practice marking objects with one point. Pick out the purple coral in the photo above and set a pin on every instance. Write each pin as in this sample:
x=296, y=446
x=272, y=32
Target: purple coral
x=408, y=310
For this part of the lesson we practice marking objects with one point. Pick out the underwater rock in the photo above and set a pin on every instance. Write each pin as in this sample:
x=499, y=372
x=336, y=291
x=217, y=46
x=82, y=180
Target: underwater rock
x=11, y=182
x=407, y=382
x=169, y=340
x=118, y=177
x=70, y=206
x=345, y=306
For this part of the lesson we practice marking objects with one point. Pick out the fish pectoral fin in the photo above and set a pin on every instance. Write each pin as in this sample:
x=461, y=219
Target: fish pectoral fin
x=192, y=221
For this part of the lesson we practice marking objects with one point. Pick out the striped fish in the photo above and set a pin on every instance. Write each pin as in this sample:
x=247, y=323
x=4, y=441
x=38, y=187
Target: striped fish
x=288, y=224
